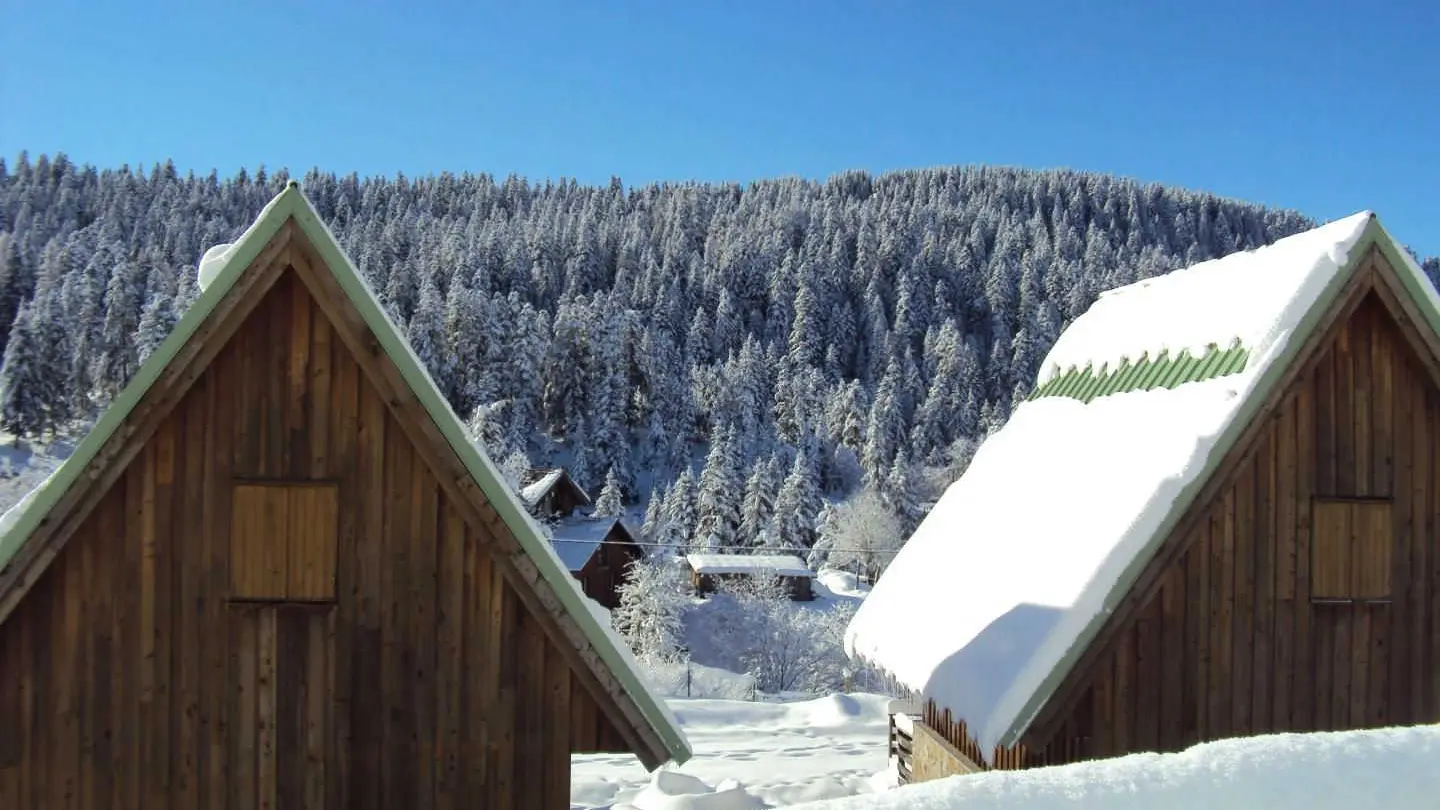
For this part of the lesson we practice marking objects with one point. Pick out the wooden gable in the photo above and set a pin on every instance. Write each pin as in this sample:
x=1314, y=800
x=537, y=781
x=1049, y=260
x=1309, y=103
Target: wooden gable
x=1301, y=590
x=273, y=587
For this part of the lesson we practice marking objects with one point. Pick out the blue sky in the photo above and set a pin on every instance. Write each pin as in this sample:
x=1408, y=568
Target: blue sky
x=1322, y=106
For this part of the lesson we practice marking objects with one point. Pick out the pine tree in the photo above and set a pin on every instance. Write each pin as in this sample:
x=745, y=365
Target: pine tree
x=25, y=385
x=611, y=502
x=758, y=504
x=796, y=507
x=718, y=497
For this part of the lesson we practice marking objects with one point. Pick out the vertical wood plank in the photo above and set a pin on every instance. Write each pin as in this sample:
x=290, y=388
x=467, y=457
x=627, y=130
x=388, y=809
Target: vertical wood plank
x=1323, y=424
x=267, y=749
x=316, y=689
x=530, y=678
x=1228, y=618
x=157, y=616
x=450, y=668
x=557, y=729
x=301, y=395
x=398, y=761
x=244, y=706
x=276, y=460
x=1147, y=676
x=365, y=722
x=214, y=405
x=1243, y=632
x=344, y=426
x=424, y=548
x=1126, y=655
x=1262, y=664
x=1361, y=392
x=1173, y=652
x=188, y=743
x=1343, y=428
x=1285, y=561
x=323, y=421
x=1422, y=477
x=312, y=541
x=1302, y=703
x=1216, y=717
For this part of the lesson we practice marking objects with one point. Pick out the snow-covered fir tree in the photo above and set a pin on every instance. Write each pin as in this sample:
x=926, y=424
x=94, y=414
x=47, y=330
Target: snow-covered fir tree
x=611, y=502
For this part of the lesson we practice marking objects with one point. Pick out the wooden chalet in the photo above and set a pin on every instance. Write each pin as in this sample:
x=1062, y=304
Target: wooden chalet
x=598, y=553
x=708, y=570
x=277, y=574
x=551, y=494
x=1163, y=549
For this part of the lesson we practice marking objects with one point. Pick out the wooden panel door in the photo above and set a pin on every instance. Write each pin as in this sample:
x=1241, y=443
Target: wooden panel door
x=281, y=676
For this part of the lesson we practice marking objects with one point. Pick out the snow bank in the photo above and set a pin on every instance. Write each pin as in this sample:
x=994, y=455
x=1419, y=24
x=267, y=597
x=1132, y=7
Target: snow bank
x=669, y=790
x=995, y=589
x=777, y=753
x=1393, y=769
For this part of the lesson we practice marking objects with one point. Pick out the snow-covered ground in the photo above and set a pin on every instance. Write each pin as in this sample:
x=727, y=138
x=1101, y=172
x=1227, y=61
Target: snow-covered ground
x=749, y=755
x=1394, y=769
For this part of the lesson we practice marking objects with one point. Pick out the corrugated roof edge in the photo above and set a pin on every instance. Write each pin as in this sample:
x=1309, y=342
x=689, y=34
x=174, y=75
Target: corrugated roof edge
x=502, y=498
x=1427, y=302
x=292, y=204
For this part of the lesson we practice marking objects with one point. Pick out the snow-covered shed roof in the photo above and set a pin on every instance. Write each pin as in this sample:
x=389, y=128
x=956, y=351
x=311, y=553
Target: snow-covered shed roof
x=610, y=652
x=577, y=539
x=1135, y=406
x=532, y=492
x=783, y=565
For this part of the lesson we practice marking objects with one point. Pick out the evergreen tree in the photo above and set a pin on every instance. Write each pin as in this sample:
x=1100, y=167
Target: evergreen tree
x=611, y=502
x=25, y=385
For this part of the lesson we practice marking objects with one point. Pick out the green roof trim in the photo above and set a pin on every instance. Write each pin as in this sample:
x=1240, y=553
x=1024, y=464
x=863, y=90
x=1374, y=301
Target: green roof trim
x=1164, y=370
x=1416, y=285
x=292, y=204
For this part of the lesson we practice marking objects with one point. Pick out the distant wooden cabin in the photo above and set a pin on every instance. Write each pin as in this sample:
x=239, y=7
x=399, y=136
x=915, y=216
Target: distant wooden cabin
x=708, y=570
x=551, y=494
x=1204, y=545
x=598, y=553
x=277, y=574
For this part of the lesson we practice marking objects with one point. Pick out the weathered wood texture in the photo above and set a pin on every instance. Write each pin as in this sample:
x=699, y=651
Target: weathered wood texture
x=1305, y=593
x=159, y=664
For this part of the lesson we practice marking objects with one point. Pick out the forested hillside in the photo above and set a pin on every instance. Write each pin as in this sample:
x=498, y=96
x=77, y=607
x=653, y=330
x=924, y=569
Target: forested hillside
x=741, y=351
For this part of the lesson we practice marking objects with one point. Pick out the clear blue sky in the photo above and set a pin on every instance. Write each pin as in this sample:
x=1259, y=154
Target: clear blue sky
x=1322, y=106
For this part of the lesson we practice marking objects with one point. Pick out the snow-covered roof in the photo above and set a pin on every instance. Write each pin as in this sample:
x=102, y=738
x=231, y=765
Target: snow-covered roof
x=575, y=540
x=532, y=493
x=784, y=565
x=291, y=206
x=987, y=605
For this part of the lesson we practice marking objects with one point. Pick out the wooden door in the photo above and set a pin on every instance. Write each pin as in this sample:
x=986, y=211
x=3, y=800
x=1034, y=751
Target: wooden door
x=281, y=676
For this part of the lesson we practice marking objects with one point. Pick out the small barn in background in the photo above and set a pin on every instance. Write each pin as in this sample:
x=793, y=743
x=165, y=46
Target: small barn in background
x=598, y=553
x=708, y=570
x=277, y=573
x=1216, y=516
x=551, y=494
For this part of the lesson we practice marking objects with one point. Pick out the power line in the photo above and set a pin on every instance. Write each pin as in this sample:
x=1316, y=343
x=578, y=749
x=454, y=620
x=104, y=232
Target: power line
x=746, y=550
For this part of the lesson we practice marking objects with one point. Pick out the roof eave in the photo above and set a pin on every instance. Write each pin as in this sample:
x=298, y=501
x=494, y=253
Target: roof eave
x=1373, y=235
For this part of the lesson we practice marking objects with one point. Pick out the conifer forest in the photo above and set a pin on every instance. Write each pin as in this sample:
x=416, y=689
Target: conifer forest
x=729, y=357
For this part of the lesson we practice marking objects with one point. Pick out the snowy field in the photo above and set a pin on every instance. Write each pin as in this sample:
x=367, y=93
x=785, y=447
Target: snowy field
x=749, y=755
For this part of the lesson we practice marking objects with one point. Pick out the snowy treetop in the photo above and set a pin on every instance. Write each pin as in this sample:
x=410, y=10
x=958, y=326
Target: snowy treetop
x=1024, y=552
x=1244, y=297
x=785, y=565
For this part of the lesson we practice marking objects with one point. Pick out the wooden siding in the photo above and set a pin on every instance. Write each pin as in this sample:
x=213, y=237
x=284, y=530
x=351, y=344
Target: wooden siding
x=608, y=568
x=1232, y=636
x=130, y=677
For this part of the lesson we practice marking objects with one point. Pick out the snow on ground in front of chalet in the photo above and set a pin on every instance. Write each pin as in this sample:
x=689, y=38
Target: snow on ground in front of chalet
x=749, y=755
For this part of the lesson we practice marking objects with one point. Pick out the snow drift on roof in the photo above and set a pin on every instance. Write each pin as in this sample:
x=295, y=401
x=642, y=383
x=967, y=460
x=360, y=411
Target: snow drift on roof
x=1021, y=555
x=532, y=493
x=784, y=565
x=1238, y=297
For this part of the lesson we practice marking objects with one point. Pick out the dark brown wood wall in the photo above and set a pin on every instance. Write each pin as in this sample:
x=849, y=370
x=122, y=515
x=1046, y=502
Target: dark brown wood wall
x=130, y=678
x=1231, y=642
